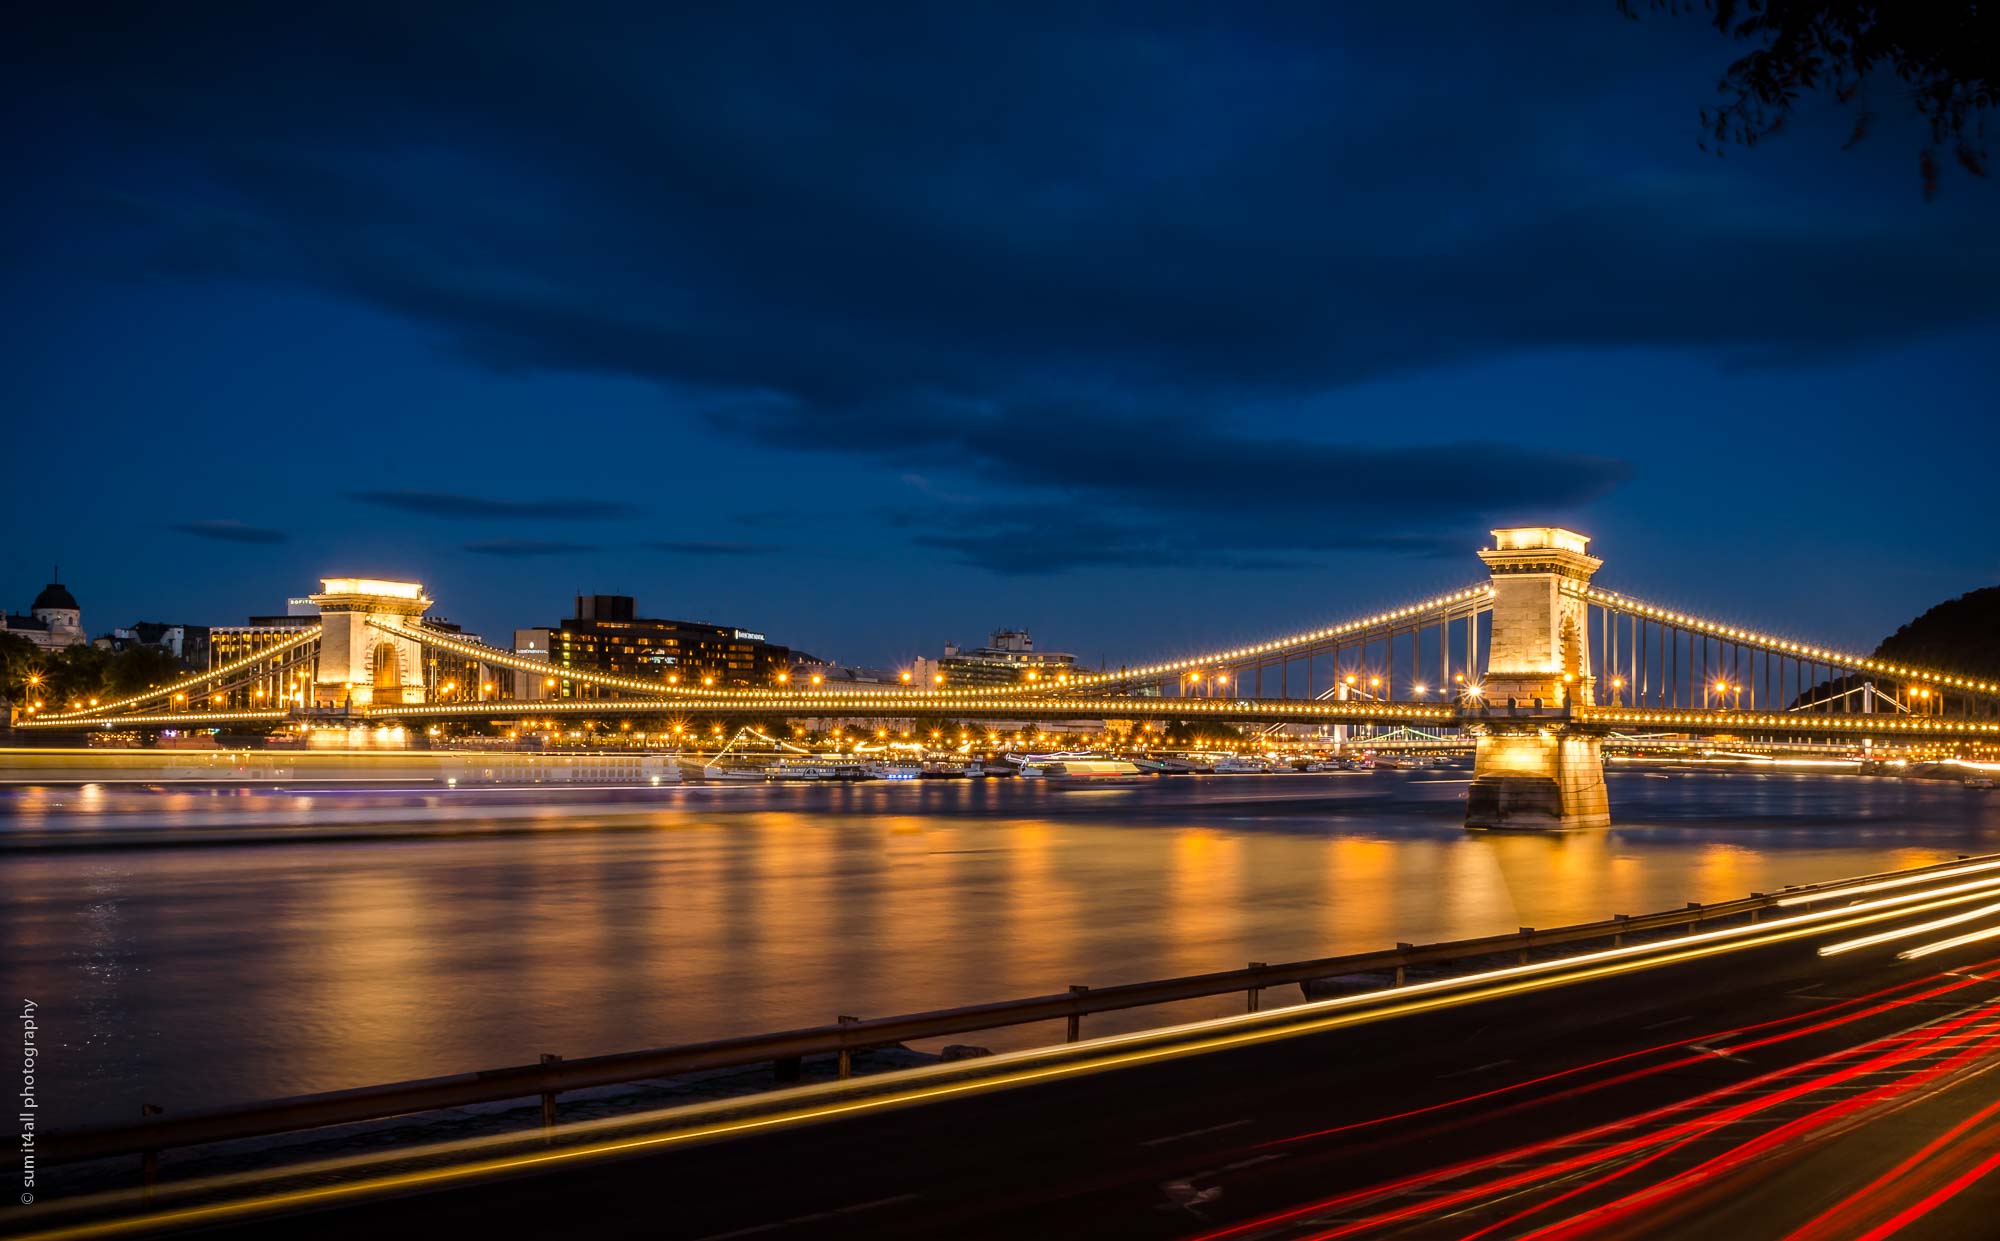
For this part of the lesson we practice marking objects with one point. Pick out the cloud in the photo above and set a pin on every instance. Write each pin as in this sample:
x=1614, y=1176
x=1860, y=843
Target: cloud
x=483, y=508
x=229, y=530
x=524, y=548
x=707, y=547
x=1108, y=262
x=1019, y=540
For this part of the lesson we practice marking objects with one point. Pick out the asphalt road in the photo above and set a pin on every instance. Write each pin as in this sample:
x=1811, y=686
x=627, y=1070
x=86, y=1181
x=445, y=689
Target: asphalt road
x=1753, y=1094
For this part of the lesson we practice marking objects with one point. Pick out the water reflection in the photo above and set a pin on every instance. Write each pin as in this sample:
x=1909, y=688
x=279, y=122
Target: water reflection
x=263, y=942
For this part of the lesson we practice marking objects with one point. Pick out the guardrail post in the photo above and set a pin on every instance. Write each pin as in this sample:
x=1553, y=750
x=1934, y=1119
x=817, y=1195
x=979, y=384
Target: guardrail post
x=1618, y=940
x=1694, y=924
x=846, y=1053
x=1075, y=1030
x=549, y=1102
x=1526, y=931
x=149, y=1160
x=1255, y=991
x=1400, y=967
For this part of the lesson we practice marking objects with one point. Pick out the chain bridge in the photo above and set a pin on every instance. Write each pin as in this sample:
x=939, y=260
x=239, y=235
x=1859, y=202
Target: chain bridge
x=1533, y=662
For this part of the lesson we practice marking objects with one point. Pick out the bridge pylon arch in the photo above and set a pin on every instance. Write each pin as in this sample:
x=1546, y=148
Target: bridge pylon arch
x=363, y=665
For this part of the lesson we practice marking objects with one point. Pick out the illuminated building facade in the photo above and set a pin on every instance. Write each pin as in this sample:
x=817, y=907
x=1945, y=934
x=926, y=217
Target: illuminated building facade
x=532, y=644
x=1008, y=658
x=607, y=635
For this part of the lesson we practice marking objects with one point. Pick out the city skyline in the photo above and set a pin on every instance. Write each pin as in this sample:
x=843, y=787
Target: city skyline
x=1142, y=337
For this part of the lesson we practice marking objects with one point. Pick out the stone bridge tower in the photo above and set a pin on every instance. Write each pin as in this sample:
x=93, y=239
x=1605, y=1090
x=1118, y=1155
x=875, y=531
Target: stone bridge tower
x=1530, y=769
x=360, y=665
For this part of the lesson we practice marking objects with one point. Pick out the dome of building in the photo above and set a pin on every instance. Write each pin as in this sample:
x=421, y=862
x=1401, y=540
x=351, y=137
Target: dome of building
x=55, y=597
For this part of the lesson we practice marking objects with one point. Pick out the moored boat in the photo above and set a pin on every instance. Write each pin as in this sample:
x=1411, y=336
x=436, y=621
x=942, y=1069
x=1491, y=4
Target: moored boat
x=1239, y=765
x=735, y=775
x=1092, y=770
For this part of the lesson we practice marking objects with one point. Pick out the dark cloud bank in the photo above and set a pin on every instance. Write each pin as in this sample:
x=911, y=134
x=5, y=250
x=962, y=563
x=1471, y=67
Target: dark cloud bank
x=1082, y=266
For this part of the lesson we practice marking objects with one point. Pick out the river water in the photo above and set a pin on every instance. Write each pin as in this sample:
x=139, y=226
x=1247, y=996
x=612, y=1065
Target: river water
x=199, y=947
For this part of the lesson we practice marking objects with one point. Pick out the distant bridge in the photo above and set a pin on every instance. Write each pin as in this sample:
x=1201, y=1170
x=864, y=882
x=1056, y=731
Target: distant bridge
x=1536, y=663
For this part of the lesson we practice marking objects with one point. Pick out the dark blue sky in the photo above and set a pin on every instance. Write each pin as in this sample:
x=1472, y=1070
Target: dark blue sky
x=1147, y=328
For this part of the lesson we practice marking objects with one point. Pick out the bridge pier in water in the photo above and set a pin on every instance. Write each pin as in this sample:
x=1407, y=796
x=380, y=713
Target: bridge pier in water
x=1540, y=780
x=1532, y=769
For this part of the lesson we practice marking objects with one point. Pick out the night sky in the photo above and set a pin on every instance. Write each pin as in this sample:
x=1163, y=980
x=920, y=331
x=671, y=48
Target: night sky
x=1147, y=329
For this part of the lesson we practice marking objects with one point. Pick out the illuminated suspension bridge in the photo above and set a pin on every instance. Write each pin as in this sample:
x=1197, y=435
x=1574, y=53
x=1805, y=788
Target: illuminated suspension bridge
x=1535, y=663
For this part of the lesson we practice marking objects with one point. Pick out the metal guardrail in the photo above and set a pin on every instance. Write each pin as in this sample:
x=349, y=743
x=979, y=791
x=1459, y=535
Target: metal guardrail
x=554, y=1075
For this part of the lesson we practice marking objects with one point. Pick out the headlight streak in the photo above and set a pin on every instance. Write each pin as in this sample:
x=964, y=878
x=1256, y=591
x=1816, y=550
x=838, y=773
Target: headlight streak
x=1911, y=954
x=1808, y=898
x=1906, y=932
x=1022, y=1067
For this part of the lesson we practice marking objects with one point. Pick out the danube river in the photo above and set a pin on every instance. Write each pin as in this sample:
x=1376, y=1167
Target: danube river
x=196, y=947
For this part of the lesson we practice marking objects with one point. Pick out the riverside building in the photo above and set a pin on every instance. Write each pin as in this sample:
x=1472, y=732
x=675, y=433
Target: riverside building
x=607, y=635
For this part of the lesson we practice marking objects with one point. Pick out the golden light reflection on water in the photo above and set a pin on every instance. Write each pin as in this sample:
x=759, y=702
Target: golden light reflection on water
x=364, y=965
x=1202, y=910
x=696, y=914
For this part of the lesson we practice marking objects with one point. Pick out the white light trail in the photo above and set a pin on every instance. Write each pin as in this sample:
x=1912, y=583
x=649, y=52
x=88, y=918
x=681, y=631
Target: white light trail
x=1925, y=950
x=1922, y=928
x=1884, y=885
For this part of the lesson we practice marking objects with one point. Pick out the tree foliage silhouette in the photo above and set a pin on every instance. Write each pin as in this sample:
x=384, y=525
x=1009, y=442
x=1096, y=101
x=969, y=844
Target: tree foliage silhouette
x=1940, y=55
